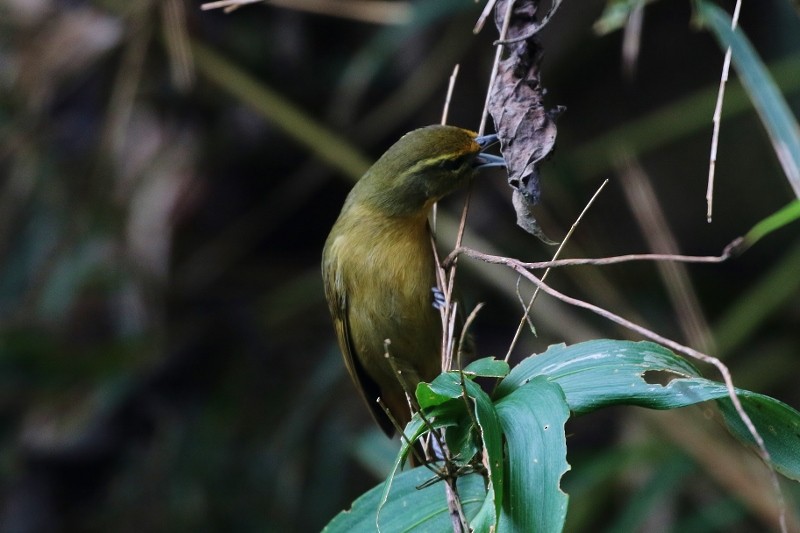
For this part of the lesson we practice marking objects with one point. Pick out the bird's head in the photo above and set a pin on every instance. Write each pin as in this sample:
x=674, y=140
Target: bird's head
x=422, y=167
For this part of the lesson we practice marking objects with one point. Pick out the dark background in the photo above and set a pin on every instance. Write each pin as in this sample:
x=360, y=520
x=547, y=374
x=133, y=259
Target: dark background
x=166, y=357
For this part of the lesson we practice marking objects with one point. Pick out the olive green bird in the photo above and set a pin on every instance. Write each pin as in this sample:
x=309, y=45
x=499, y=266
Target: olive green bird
x=378, y=266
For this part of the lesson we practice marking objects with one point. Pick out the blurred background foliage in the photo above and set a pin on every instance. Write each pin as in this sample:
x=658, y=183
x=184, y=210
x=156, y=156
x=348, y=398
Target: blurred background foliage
x=167, y=179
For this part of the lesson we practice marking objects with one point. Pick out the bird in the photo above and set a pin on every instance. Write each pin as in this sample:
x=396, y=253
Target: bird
x=378, y=265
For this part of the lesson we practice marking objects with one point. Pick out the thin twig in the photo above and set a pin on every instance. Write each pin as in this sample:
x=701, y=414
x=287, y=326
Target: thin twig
x=462, y=379
x=449, y=307
x=442, y=281
x=439, y=437
x=405, y=438
x=535, y=28
x=450, y=331
x=465, y=397
x=712, y=163
x=495, y=67
x=544, y=276
x=457, y=516
x=726, y=254
x=462, y=223
x=450, y=87
x=487, y=9
x=462, y=339
x=526, y=316
x=411, y=406
x=445, y=111
x=401, y=377
x=441, y=278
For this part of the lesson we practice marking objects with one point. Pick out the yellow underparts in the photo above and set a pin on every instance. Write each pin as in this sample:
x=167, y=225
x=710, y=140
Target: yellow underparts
x=386, y=270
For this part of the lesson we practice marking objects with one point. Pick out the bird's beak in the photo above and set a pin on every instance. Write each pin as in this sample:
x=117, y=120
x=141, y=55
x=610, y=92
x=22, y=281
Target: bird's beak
x=483, y=160
x=485, y=141
x=488, y=161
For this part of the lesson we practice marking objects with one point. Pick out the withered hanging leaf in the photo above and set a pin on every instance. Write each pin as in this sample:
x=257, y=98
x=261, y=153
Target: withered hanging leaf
x=526, y=129
x=525, y=218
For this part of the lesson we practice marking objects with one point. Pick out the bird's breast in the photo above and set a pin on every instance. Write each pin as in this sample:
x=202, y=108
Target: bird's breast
x=386, y=267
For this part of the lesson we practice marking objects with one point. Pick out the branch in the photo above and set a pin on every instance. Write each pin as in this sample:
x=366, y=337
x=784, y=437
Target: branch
x=728, y=252
x=717, y=118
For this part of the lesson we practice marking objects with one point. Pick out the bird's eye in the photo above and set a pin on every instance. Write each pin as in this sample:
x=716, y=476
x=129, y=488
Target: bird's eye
x=453, y=164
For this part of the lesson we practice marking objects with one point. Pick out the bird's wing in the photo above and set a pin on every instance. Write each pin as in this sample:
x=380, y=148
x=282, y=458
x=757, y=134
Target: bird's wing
x=336, y=295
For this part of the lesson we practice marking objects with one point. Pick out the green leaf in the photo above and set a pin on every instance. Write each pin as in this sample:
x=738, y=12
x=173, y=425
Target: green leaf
x=533, y=417
x=488, y=367
x=598, y=373
x=532, y=404
x=444, y=415
x=408, y=508
x=775, y=221
x=463, y=440
x=492, y=440
x=777, y=423
x=777, y=117
x=447, y=386
x=414, y=428
x=437, y=392
x=603, y=372
x=443, y=388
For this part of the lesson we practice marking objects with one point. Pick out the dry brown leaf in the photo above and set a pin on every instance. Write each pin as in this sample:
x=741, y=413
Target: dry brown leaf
x=527, y=130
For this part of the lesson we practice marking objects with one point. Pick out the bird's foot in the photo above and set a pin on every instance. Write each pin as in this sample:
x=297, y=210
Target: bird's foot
x=439, y=301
